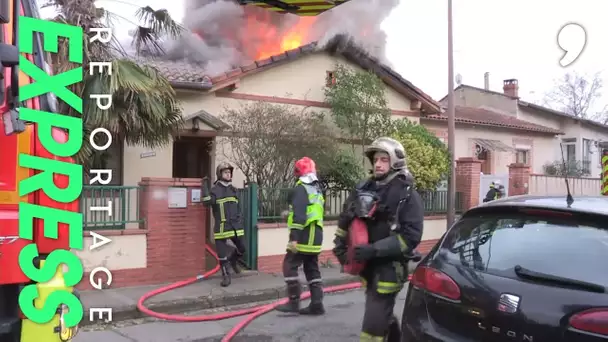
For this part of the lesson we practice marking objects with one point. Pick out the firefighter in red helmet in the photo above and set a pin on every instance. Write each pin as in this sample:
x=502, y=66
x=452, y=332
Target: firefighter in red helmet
x=226, y=209
x=305, y=224
x=394, y=231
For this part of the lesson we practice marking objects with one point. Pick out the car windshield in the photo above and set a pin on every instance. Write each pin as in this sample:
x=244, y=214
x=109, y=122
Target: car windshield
x=562, y=246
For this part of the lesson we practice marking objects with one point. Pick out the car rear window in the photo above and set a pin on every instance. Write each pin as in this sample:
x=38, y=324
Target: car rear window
x=573, y=247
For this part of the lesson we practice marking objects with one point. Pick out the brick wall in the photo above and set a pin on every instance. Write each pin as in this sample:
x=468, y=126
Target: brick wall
x=519, y=179
x=175, y=237
x=273, y=263
x=467, y=181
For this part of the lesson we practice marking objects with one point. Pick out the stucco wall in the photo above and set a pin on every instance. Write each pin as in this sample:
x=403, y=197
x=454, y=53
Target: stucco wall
x=542, y=146
x=123, y=252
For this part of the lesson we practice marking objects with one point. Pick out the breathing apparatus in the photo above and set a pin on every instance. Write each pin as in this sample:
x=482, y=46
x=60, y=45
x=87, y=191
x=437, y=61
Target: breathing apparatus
x=366, y=202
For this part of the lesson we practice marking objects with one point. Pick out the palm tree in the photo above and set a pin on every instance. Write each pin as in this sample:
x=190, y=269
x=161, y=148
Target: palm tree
x=144, y=108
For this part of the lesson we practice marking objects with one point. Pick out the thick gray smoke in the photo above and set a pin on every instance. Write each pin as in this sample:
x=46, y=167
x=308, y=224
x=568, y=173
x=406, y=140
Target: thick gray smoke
x=222, y=34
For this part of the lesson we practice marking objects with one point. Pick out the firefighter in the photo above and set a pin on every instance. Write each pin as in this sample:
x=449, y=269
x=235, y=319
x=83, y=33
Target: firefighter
x=395, y=230
x=305, y=224
x=227, y=215
x=496, y=191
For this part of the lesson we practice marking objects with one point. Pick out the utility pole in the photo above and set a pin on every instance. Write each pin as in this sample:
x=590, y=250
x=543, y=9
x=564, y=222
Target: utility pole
x=451, y=122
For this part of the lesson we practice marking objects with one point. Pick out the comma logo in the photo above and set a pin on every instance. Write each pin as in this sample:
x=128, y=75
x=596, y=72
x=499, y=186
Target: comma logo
x=572, y=39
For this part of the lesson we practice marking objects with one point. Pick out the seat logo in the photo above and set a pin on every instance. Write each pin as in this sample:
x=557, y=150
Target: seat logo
x=508, y=303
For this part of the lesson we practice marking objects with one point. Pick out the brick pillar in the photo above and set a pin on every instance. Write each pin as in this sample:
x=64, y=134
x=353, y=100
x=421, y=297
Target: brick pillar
x=176, y=236
x=519, y=179
x=468, y=171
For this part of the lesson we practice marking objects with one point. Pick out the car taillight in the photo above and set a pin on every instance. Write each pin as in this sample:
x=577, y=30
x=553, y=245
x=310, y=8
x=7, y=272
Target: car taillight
x=593, y=321
x=436, y=282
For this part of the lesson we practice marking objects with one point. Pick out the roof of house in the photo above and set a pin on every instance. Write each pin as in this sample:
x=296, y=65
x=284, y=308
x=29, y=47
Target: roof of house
x=184, y=75
x=525, y=104
x=486, y=117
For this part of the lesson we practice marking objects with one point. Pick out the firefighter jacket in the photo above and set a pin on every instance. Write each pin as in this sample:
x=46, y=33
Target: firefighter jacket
x=305, y=219
x=492, y=194
x=226, y=210
x=395, y=231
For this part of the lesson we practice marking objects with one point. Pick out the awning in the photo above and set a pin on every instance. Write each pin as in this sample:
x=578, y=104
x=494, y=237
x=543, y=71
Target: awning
x=208, y=119
x=494, y=145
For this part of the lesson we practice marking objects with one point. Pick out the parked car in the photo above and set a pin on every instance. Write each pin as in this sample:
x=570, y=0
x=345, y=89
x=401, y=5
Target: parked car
x=523, y=268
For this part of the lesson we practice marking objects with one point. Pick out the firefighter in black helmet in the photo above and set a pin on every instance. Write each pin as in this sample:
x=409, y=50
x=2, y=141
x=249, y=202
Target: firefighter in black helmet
x=227, y=215
x=395, y=230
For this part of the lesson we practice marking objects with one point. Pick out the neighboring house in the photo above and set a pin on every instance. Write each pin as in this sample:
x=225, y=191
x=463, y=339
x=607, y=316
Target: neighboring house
x=579, y=138
x=495, y=138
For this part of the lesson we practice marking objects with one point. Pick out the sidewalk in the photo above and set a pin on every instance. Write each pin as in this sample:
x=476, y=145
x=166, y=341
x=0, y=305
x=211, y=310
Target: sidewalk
x=246, y=288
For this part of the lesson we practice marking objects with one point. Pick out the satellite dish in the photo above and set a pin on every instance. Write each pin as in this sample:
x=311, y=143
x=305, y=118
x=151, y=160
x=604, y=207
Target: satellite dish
x=459, y=79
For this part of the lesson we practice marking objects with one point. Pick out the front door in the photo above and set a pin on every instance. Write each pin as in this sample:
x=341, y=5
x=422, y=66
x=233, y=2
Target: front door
x=192, y=157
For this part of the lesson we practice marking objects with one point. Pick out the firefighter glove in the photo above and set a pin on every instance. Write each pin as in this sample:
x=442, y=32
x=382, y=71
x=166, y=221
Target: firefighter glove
x=365, y=252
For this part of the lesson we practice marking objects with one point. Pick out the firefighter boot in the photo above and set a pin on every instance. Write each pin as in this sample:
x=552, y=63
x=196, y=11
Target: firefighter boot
x=225, y=276
x=394, y=331
x=234, y=262
x=316, y=300
x=293, y=293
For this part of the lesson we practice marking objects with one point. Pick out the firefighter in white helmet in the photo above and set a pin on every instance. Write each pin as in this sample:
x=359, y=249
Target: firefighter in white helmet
x=394, y=231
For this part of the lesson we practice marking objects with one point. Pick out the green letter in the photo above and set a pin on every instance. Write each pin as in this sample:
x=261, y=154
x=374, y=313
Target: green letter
x=51, y=218
x=45, y=180
x=57, y=257
x=49, y=309
x=44, y=83
x=46, y=121
x=51, y=31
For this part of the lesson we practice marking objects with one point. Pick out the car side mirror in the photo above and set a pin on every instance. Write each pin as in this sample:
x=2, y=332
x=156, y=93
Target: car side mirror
x=5, y=15
x=9, y=55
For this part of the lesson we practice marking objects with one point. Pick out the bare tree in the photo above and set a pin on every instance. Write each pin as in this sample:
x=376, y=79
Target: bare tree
x=266, y=139
x=578, y=95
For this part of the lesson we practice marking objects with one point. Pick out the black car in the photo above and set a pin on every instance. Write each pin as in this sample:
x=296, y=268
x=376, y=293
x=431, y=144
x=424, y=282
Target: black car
x=519, y=269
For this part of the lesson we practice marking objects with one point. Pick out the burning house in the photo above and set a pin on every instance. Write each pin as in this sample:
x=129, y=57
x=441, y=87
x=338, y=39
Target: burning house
x=233, y=55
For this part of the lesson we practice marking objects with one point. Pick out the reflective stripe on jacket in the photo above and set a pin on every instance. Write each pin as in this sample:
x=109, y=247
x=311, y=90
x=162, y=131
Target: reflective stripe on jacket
x=305, y=219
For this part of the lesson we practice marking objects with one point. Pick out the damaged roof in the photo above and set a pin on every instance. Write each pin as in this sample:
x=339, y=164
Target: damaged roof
x=486, y=117
x=184, y=75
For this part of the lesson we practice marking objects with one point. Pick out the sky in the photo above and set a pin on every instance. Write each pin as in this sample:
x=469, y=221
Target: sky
x=509, y=39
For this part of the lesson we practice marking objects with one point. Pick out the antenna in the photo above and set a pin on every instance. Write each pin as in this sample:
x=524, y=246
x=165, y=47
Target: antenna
x=569, y=198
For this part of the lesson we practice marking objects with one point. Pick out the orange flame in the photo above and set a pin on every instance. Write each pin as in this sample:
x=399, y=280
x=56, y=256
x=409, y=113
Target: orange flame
x=293, y=38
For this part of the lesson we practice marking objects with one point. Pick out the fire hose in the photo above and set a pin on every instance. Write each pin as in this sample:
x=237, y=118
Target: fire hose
x=252, y=313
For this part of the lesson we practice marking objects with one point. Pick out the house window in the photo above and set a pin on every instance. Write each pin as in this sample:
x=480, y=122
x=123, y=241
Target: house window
x=522, y=156
x=110, y=159
x=586, y=156
x=569, y=148
x=330, y=79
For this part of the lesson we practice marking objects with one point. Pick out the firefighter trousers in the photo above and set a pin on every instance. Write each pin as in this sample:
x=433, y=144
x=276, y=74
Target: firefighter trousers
x=225, y=251
x=310, y=262
x=379, y=319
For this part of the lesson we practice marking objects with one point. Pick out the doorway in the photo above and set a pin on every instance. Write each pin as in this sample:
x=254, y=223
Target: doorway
x=485, y=157
x=192, y=157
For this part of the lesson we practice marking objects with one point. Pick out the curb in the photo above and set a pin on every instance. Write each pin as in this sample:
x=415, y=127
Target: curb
x=211, y=302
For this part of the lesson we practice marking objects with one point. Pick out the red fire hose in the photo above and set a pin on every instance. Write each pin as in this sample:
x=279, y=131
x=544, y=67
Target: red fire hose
x=253, y=313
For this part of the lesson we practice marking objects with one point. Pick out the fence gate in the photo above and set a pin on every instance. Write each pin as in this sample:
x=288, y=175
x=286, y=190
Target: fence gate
x=248, y=199
x=486, y=180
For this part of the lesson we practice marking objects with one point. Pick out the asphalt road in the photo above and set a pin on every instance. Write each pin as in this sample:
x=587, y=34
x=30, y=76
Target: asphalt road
x=342, y=322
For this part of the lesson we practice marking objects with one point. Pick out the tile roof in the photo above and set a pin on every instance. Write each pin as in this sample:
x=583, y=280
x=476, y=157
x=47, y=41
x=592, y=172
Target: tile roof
x=189, y=75
x=486, y=117
x=525, y=104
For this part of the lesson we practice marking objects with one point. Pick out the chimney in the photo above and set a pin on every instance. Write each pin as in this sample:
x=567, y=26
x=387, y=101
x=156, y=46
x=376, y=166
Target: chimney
x=511, y=88
x=486, y=81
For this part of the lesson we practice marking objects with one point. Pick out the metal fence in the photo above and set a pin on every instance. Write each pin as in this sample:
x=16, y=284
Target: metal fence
x=110, y=207
x=273, y=203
